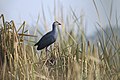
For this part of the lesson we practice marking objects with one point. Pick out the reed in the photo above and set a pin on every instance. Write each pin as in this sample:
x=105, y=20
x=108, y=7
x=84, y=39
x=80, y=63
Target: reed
x=72, y=57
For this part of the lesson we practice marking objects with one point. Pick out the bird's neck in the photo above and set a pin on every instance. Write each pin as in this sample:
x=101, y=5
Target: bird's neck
x=54, y=29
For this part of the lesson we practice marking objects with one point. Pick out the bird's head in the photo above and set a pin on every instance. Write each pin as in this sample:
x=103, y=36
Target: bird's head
x=56, y=23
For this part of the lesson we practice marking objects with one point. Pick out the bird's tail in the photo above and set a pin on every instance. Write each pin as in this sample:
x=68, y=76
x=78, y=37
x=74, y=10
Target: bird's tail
x=36, y=44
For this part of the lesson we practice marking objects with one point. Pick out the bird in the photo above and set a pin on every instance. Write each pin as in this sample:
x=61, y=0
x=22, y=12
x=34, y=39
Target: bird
x=49, y=38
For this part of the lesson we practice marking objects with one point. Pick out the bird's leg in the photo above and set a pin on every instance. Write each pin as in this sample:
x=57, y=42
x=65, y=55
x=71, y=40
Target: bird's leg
x=46, y=52
x=46, y=57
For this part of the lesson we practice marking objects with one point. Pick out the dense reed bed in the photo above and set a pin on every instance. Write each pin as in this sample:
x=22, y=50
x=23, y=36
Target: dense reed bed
x=72, y=57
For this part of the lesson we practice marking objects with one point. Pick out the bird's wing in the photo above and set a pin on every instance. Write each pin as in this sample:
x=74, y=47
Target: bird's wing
x=46, y=40
x=44, y=36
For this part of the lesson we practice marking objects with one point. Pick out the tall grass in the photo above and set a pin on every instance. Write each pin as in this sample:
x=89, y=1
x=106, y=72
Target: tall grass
x=72, y=57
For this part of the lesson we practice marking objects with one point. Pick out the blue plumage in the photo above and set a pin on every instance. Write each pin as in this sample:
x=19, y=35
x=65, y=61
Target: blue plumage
x=48, y=38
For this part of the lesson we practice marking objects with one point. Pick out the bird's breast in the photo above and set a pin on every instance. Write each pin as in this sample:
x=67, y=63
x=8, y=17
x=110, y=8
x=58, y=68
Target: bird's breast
x=55, y=35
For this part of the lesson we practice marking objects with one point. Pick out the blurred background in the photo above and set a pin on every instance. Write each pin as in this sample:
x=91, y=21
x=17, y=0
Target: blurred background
x=29, y=11
x=88, y=45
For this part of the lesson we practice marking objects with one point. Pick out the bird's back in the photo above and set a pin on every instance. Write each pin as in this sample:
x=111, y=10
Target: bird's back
x=46, y=40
